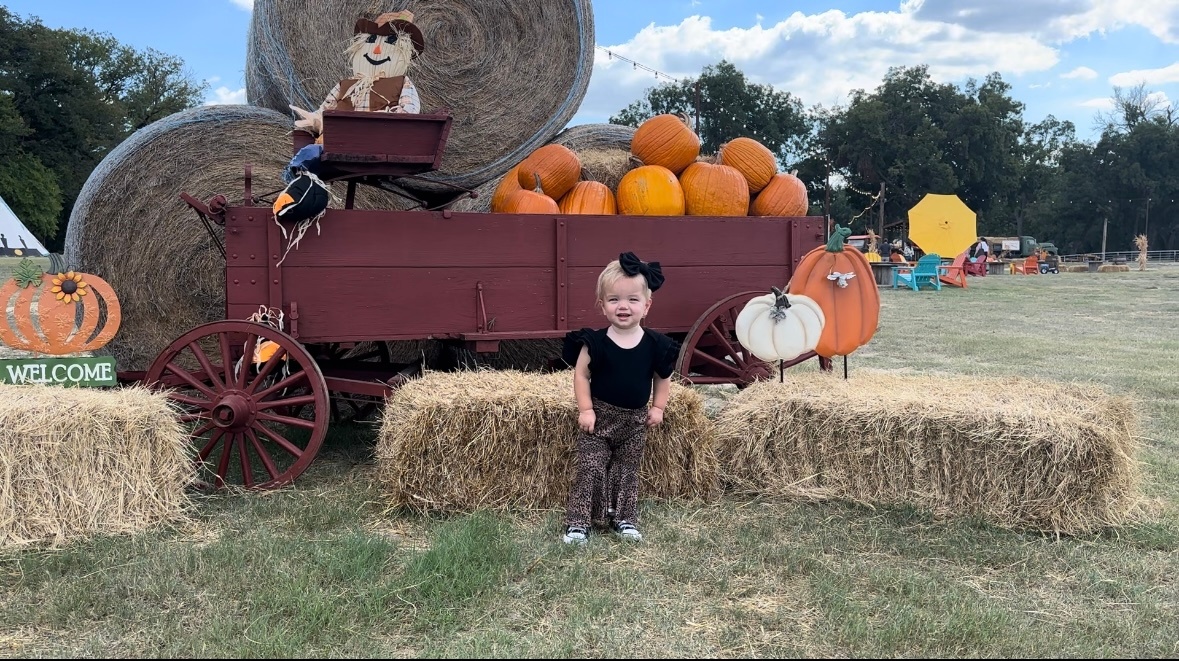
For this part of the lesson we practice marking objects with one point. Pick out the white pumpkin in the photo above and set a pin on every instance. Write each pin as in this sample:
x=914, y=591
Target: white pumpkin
x=780, y=326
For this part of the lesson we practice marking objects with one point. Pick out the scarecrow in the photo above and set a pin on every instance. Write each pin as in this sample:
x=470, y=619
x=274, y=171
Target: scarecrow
x=380, y=52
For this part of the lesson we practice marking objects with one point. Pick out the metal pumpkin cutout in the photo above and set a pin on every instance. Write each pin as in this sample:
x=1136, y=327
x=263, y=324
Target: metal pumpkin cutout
x=839, y=278
x=57, y=314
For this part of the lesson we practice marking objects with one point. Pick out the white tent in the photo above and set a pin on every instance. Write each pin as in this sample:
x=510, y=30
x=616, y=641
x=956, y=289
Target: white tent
x=15, y=238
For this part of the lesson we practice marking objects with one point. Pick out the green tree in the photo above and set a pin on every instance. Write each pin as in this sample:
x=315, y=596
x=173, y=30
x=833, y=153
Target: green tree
x=729, y=107
x=917, y=136
x=78, y=95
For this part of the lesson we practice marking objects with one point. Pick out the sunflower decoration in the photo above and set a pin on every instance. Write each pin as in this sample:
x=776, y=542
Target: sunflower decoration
x=69, y=287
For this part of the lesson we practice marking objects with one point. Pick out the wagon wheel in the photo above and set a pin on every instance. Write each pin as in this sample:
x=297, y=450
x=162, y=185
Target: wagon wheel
x=237, y=416
x=711, y=354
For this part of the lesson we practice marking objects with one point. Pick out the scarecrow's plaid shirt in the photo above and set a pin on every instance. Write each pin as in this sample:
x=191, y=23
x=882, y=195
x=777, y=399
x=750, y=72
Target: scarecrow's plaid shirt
x=407, y=103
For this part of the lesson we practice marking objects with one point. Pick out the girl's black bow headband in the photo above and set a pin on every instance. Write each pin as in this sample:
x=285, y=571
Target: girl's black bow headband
x=632, y=266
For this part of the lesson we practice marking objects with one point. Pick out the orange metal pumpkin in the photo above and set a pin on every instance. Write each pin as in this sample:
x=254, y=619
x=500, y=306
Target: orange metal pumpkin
x=589, y=197
x=714, y=190
x=60, y=328
x=555, y=168
x=785, y=195
x=752, y=159
x=667, y=141
x=840, y=280
x=650, y=190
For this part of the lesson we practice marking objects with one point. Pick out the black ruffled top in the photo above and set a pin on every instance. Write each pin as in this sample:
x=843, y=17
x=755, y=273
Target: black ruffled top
x=622, y=377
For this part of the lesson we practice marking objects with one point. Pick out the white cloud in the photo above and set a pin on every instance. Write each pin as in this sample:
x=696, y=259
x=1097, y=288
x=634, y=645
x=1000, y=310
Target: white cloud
x=1057, y=21
x=248, y=5
x=1083, y=73
x=1102, y=103
x=1169, y=74
x=225, y=96
x=819, y=58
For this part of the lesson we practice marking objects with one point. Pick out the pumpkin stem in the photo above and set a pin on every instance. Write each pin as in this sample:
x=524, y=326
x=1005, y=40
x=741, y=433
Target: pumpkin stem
x=838, y=237
x=781, y=304
x=537, y=188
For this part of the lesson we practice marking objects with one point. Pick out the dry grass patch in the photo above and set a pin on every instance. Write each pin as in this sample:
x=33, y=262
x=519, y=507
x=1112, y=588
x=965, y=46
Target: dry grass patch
x=1016, y=452
x=75, y=462
x=481, y=439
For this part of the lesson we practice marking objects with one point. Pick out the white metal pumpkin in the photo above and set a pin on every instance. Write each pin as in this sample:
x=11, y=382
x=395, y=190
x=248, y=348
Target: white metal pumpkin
x=780, y=326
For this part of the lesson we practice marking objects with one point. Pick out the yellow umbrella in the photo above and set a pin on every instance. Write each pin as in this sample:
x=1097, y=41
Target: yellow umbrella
x=942, y=224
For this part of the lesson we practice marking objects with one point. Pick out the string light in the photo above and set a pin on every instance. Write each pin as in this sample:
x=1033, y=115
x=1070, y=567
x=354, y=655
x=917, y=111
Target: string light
x=634, y=65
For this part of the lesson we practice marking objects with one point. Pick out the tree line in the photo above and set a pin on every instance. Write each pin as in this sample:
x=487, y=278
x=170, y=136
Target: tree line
x=67, y=98
x=912, y=136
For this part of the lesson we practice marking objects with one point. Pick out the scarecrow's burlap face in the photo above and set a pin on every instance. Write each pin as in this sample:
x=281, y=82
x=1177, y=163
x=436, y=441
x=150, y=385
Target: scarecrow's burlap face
x=376, y=56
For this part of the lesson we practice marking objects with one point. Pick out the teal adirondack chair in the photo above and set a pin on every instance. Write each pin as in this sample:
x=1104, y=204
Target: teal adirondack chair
x=924, y=273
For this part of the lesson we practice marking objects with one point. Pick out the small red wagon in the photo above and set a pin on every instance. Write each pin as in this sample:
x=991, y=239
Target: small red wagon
x=260, y=399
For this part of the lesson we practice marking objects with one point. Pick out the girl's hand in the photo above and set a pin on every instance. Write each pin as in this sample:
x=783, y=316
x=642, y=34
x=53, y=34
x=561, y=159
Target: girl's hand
x=654, y=416
x=586, y=420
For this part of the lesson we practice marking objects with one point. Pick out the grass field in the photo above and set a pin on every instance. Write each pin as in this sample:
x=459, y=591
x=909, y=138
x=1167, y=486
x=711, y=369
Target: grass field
x=322, y=570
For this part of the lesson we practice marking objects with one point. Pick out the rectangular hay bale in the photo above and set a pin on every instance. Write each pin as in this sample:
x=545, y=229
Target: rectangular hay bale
x=76, y=462
x=1016, y=452
x=503, y=439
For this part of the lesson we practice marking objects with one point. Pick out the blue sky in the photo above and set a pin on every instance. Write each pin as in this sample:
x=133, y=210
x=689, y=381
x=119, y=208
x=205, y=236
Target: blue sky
x=1062, y=57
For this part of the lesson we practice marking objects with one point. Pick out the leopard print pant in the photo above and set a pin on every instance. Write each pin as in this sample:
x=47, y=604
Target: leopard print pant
x=606, y=467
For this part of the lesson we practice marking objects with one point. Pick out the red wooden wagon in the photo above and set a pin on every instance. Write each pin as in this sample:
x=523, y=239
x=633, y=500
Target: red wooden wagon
x=475, y=279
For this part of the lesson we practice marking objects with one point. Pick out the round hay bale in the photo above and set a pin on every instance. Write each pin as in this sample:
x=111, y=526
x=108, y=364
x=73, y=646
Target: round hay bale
x=130, y=226
x=513, y=73
x=586, y=137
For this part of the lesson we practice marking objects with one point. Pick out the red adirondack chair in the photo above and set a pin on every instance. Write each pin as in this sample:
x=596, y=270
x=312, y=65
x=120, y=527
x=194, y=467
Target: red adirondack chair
x=953, y=274
x=977, y=266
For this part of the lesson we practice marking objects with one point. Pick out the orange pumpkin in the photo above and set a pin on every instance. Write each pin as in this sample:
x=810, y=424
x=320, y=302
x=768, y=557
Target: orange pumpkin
x=785, y=195
x=752, y=159
x=714, y=190
x=667, y=141
x=650, y=190
x=555, y=168
x=840, y=280
x=530, y=201
x=589, y=197
x=58, y=331
x=508, y=185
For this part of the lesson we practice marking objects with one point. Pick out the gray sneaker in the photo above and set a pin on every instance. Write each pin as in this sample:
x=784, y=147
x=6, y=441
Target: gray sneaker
x=575, y=535
x=627, y=530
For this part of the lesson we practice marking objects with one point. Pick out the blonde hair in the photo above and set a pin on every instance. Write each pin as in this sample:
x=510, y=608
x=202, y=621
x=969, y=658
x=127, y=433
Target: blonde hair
x=612, y=274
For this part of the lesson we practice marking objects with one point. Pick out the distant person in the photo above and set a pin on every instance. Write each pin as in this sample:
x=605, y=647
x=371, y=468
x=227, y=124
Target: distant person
x=980, y=251
x=907, y=250
x=896, y=256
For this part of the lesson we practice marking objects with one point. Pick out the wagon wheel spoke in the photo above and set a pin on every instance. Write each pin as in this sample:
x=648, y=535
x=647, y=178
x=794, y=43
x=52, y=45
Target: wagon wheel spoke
x=721, y=335
x=271, y=364
x=208, y=449
x=206, y=365
x=247, y=472
x=223, y=464
x=286, y=420
x=202, y=404
x=192, y=381
x=728, y=367
x=281, y=442
x=247, y=356
x=288, y=382
x=263, y=455
x=290, y=401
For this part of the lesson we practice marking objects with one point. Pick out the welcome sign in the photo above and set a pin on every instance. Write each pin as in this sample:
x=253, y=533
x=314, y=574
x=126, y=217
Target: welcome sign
x=92, y=372
x=56, y=318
